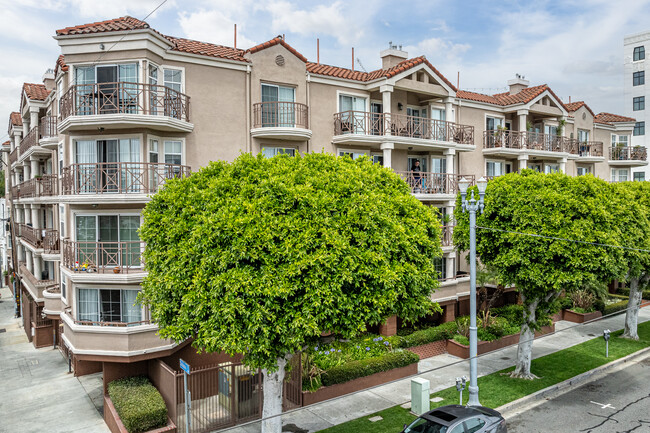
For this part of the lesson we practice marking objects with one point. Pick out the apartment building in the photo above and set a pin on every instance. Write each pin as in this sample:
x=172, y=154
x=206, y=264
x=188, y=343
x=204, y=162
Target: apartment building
x=107, y=128
x=636, y=91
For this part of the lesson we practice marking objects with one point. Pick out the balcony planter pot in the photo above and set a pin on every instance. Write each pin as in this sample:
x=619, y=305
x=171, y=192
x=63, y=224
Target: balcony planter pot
x=116, y=270
x=572, y=316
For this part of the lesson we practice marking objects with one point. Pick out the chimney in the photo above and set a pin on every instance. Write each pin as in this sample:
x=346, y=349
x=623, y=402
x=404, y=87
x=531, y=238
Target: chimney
x=392, y=56
x=517, y=84
x=48, y=79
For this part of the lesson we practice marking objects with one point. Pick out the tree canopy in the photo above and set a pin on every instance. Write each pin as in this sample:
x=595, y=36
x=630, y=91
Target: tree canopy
x=261, y=255
x=547, y=208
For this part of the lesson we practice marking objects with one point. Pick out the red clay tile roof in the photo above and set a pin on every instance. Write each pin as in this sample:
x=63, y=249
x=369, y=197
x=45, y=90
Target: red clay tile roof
x=335, y=71
x=16, y=119
x=36, y=91
x=60, y=64
x=206, y=49
x=275, y=41
x=113, y=25
x=608, y=118
x=522, y=97
x=575, y=106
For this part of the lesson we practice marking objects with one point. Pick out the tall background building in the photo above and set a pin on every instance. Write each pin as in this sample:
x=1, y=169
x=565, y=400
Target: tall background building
x=637, y=91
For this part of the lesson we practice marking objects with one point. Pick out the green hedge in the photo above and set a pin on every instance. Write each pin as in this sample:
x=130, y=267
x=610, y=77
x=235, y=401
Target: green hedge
x=425, y=336
x=626, y=292
x=513, y=313
x=138, y=403
x=366, y=367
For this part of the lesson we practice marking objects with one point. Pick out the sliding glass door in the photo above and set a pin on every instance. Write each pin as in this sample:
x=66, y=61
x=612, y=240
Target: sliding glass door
x=108, y=305
x=103, y=166
x=108, y=241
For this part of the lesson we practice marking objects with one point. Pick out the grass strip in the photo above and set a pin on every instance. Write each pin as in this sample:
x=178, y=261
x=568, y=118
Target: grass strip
x=496, y=389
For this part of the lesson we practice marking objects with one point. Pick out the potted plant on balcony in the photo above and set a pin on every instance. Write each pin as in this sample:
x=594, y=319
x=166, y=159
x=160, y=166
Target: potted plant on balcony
x=499, y=136
x=116, y=270
x=38, y=177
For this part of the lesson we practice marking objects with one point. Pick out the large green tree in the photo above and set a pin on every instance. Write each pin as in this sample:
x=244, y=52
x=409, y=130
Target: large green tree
x=631, y=205
x=551, y=206
x=260, y=256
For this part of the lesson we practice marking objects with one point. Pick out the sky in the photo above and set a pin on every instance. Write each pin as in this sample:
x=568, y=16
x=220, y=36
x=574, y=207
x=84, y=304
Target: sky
x=574, y=46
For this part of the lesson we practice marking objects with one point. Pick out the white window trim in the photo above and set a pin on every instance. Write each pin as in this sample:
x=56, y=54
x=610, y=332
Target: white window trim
x=107, y=212
x=355, y=95
x=161, y=79
x=143, y=311
x=497, y=161
x=280, y=146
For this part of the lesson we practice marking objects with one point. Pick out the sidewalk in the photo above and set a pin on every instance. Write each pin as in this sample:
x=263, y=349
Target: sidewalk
x=337, y=411
x=37, y=393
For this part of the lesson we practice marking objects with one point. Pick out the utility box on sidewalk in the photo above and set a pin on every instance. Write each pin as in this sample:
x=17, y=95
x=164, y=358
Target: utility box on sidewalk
x=419, y=396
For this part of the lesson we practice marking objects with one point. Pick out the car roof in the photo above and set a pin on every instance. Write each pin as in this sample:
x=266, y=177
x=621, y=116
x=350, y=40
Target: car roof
x=447, y=415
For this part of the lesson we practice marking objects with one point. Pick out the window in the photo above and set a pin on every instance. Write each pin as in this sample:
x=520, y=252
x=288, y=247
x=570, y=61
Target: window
x=278, y=106
x=62, y=219
x=583, y=170
x=173, y=78
x=639, y=176
x=620, y=175
x=638, y=78
x=60, y=158
x=352, y=117
x=551, y=168
x=270, y=152
x=583, y=135
x=173, y=152
x=639, y=53
x=108, y=305
x=153, y=151
x=354, y=154
x=64, y=287
x=438, y=165
x=108, y=240
x=441, y=268
x=620, y=140
x=639, y=128
x=638, y=103
x=493, y=168
x=378, y=159
x=473, y=425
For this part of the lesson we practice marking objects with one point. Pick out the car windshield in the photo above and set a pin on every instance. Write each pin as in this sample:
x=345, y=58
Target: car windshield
x=422, y=425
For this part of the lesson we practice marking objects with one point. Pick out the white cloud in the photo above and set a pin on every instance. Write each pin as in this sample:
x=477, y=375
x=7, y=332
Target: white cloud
x=213, y=26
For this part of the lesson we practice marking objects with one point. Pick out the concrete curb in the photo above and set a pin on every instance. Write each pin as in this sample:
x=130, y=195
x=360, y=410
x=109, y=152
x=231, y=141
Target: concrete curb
x=509, y=409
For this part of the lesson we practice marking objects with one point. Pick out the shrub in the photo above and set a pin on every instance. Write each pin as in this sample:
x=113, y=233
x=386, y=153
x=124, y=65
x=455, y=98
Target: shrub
x=425, y=336
x=514, y=313
x=614, y=307
x=625, y=291
x=366, y=367
x=583, y=299
x=485, y=335
x=499, y=326
x=461, y=339
x=138, y=403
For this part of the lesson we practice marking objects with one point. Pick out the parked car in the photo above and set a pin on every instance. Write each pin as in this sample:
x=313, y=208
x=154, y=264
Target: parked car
x=458, y=419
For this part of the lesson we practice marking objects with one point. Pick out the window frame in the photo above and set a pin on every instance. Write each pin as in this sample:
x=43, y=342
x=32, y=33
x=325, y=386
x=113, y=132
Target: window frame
x=278, y=150
x=634, y=176
x=639, y=128
x=638, y=53
x=638, y=78
x=99, y=302
x=638, y=103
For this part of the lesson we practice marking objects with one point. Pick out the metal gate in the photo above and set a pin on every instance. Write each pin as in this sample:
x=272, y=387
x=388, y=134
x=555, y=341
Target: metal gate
x=222, y=395
x=292, y=392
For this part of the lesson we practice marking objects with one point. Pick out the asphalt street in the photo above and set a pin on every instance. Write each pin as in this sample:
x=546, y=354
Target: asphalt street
x=619, y=402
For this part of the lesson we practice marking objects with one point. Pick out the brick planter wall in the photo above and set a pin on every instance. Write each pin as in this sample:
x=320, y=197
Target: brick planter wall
x=574, y=317
x=115, y=425
x=462, y=351
x=431, y=349
x=327, y=392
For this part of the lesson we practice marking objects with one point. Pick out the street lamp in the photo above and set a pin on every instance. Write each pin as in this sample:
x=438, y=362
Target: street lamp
x=471, y=205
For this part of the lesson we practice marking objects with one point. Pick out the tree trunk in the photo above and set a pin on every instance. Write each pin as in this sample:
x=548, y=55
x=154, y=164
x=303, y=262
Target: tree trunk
x=525, y=347
x=632, y=313
x=272, y=389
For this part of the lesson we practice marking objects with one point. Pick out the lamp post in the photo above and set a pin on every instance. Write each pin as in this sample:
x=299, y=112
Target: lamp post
x=471, y=205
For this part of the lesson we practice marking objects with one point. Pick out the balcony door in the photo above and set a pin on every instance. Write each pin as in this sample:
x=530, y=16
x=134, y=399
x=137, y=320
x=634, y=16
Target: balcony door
x=353, y=114
x=108, y=305
x=107, y=89
x=107, y=241
x=103, y=166
x=494, y=136
x=278, y=106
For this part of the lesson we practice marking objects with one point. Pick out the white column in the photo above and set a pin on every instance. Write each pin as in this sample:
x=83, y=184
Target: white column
x=451, y=205
x=26, y=173
x=523, y=162
x=29, y=261
x=17, y=139
x=33, y=118
x=27, y=215
x=34, y=167
x=386, y=93
x=387, y=149
x=449, y=264
x=563, y=165
x=448, y=116
x=21, y=253
x=38, y=269
x=449, y=156
x=36, y=223
x=523, y=115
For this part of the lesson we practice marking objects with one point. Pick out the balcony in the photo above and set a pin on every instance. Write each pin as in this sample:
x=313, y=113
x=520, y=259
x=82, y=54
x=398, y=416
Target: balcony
x=628, y=156
x=42, y=186
x=112, y=180
x=104, y=257
x=51, y=241
x=13, y=156
x=115, y=339
x=361, y=126
x=31, y=235
x=514, y=142
x=447, y=237
x=49, y=135
x=123, y=105
x=52, y=305
x=33, y=284
x=281, y=120
x=429, y=186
